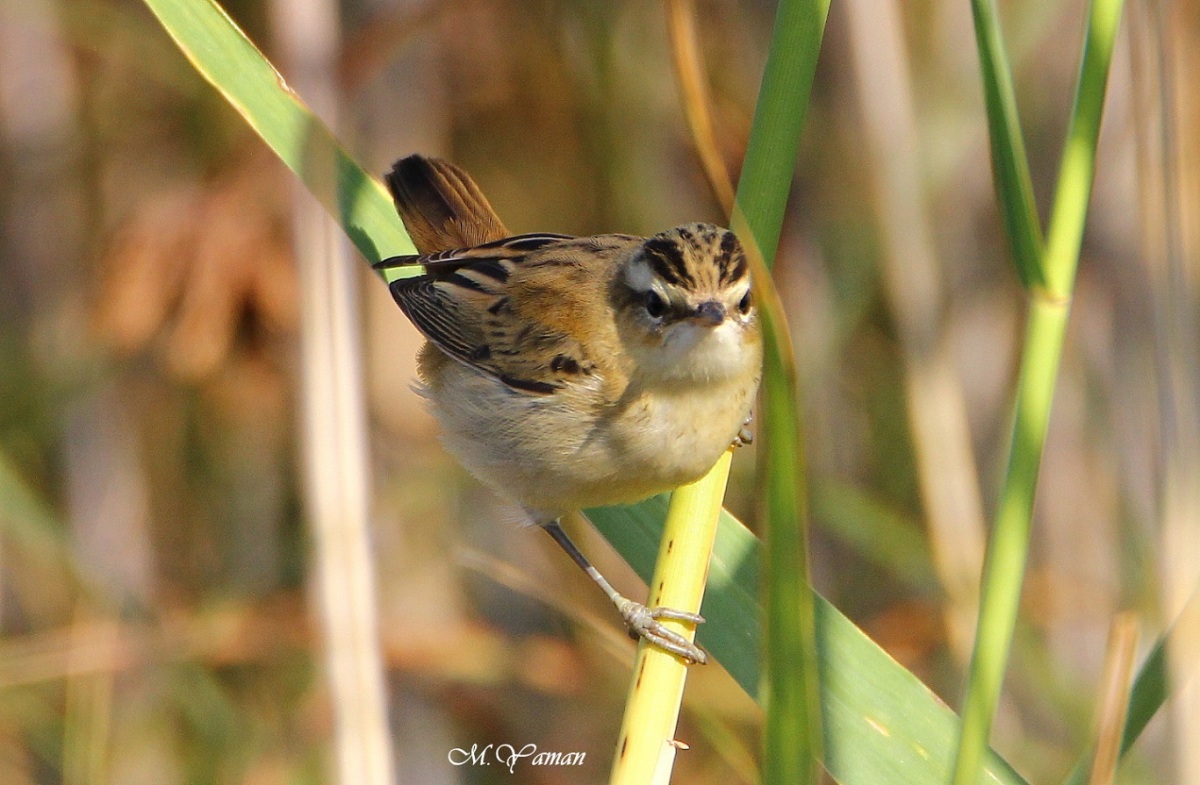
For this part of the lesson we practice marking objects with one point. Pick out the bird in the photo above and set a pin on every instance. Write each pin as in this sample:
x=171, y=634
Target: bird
x=571, y=372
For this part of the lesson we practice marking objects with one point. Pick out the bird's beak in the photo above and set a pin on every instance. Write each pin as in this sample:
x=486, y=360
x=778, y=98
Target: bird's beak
x=710, y=313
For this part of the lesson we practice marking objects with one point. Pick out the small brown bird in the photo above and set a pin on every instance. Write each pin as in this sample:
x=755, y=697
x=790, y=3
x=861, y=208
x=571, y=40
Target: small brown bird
x=571, y=372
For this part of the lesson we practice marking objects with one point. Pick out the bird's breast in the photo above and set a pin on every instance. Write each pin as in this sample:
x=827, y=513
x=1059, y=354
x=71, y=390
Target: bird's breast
x=573, y=449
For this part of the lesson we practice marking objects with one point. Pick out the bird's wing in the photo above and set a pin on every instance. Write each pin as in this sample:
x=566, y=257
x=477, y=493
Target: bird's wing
x=463, y=306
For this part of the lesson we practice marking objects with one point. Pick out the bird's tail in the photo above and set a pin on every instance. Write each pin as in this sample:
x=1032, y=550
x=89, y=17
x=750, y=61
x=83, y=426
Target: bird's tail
x=441, y=206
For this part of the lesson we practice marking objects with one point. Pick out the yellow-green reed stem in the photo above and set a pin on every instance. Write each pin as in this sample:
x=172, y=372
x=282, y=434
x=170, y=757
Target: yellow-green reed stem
x=646, y=746
x=793, y=737
x=1004, y=568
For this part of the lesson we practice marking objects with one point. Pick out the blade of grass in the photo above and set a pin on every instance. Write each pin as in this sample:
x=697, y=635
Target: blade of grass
x=792, y=739
x=224, y=56
x=793, y=733
x=766, y=177
x=1010, y=166
x=1078, y=166
x=1004, y=568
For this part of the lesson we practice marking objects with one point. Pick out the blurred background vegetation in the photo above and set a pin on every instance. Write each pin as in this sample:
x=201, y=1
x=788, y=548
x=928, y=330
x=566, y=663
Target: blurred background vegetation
x=156, y=619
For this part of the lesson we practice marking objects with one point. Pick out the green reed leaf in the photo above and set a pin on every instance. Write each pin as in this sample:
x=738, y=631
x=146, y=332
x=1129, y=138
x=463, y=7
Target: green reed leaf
x=224, y=56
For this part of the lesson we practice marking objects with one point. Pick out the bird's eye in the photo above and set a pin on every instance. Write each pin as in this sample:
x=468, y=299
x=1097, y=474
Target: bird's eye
x=744, y=304
x=655, y=305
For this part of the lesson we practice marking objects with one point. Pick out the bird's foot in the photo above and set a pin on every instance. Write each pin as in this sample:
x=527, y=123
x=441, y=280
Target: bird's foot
x=646, y=623
x=745, y=435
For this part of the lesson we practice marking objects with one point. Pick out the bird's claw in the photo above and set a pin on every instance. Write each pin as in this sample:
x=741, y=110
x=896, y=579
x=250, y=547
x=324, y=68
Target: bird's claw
x=745, y=435
x=646, y=623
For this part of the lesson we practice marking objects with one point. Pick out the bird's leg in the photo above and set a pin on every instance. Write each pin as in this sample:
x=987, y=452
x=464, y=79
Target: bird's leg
x=642, y=622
